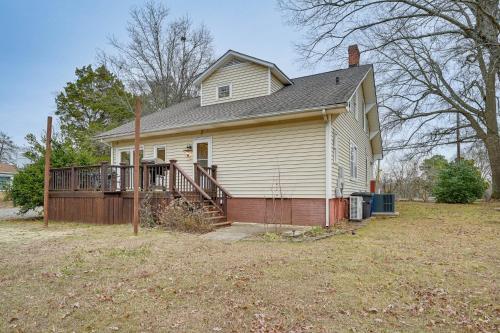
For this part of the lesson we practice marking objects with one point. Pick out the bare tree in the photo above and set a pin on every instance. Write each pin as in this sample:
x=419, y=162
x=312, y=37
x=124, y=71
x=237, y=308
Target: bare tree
x=477, y=153
x=162, y=58
x=8, y=149
x=435, y=59
x=403, y=177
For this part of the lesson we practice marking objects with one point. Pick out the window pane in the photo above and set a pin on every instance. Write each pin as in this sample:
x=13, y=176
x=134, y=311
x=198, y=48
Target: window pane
x=223, y=91
x=202, y=153
x=160, y=153
x=125, y=157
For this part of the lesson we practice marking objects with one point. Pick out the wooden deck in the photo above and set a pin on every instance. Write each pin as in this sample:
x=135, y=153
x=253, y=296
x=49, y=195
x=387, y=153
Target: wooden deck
x=103, y=193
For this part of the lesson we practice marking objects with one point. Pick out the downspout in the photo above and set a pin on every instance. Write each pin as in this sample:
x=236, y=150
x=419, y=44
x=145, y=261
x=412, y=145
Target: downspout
x=328, y=165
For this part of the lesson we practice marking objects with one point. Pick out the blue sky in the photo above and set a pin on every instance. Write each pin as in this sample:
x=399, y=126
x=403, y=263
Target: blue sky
x=43, y=42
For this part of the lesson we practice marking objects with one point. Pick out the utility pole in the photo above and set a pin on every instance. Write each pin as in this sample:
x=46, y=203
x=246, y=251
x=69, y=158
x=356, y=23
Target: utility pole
x=137, y=139
x=458, y=137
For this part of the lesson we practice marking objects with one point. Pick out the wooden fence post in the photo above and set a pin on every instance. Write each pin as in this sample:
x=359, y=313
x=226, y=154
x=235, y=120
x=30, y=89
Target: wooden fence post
x=137, y=141
x=48, y=151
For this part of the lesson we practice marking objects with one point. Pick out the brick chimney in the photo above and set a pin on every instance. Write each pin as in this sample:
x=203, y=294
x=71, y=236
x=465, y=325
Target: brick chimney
x=353, y=51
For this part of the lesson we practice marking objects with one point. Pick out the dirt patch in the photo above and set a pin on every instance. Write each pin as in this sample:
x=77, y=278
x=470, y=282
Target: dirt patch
x=28, y=231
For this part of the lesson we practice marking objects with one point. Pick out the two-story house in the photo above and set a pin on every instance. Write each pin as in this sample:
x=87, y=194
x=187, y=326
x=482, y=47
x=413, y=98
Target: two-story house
x=286, y=149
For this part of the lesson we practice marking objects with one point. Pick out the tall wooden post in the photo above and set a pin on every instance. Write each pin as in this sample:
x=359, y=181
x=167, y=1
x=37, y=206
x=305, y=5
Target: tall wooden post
x=136, y=162
x=48, y=151
x=458, y=137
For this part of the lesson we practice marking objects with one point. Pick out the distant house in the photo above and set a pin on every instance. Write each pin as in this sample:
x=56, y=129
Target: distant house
x=255, y=146
x=7, y=172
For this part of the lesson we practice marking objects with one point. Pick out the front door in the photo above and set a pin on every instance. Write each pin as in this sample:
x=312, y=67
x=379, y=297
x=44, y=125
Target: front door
x=203, y=151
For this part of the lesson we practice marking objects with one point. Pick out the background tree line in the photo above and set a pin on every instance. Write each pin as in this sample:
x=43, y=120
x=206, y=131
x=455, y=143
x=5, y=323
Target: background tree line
x=436, y=178
x=437, y=64
x=158, y=62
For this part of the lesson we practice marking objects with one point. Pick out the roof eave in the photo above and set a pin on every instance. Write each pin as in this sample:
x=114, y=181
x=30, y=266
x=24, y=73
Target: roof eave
x=231, y=53
x=285, y=115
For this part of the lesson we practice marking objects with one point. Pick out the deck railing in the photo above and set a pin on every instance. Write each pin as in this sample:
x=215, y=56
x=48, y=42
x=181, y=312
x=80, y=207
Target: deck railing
x=166, y=177
x=206, y=178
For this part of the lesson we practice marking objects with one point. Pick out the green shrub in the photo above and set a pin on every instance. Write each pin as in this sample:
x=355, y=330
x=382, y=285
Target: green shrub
x=27, y=186
x=7, y=192
x=459, y=182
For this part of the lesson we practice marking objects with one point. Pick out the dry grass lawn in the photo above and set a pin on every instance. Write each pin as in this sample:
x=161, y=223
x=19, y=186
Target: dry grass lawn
x=435, y=268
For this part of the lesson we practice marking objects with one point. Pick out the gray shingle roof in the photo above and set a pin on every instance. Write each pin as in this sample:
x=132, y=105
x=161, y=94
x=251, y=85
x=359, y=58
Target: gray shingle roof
x=305, y=93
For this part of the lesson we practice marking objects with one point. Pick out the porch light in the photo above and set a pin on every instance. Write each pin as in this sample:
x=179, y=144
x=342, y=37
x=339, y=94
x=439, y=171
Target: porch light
x=188, y=151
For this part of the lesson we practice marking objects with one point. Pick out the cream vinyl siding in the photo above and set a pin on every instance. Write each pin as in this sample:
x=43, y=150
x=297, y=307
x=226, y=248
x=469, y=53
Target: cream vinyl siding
x=275, y=84
x=247, y=80
x=347, y=130
x=248, y=159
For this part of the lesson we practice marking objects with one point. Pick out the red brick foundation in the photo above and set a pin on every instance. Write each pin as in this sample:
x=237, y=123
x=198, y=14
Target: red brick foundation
x=299, y=211
x=338, y=210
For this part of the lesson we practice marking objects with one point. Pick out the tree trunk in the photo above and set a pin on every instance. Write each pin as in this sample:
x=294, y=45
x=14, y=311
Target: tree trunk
x=493, y=146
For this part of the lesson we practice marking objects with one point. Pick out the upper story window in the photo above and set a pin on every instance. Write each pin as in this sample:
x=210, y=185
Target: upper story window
x=224, y=91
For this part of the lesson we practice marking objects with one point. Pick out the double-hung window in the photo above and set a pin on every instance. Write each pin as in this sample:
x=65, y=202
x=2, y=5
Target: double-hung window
x=353, y=161
x=224, y=91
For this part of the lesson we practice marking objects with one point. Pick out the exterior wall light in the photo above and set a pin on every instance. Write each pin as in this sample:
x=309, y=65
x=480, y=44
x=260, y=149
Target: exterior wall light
x=188, y=151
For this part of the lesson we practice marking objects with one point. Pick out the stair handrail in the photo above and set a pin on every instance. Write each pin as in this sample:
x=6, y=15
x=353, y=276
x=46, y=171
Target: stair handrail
x=190, y=180
x=213, y=180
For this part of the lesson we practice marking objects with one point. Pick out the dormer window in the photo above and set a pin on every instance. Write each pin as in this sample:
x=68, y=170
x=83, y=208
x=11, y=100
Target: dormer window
x=224, y=91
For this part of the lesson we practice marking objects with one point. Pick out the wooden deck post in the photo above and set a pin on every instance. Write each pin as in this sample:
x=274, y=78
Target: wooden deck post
x=104, y=176
x=171, y=180
x=72, y=180
x=145, y=176
x=122, y=176
x=196, y=173
x=137, y=142
x=48, y=151
x=214, y=171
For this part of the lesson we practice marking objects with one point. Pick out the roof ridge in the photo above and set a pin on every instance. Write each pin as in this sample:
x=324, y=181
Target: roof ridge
x=333, y=70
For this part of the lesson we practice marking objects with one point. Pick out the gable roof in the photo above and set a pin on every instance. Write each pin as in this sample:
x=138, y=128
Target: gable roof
x=230, y=55
x=8, y=168
x=307, y=93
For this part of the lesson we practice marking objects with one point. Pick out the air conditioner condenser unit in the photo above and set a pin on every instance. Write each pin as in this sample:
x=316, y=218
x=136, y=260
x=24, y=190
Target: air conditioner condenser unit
x=355, y=208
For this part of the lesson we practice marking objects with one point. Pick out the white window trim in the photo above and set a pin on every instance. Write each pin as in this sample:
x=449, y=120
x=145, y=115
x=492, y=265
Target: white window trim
x=207, y=139
x=155, y=148
x=353, y=169
x=130, y=149
x=223, y=85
